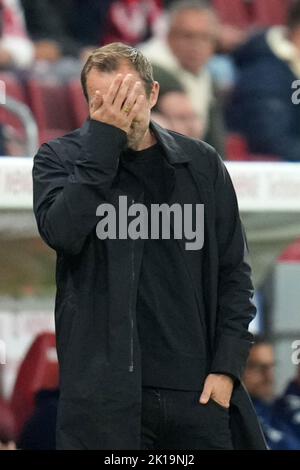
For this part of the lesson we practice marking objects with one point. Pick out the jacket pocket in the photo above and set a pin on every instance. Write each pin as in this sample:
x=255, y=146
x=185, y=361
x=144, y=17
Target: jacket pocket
x=218, y=405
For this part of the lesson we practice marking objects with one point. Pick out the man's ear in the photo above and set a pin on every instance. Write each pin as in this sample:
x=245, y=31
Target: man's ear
x=154, y=94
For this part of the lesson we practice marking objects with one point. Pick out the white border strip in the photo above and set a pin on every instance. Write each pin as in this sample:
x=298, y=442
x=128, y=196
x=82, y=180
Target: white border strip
x=260, y=186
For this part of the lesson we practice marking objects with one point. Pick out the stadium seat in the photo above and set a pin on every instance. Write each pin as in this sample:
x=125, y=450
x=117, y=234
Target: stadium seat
x=257, y=12
x=237, y=151
x=236, y=147
x=78, y=103
x=11, y=86
x=270, y=12
x=233, y=12
x=7, y=422
x=291, y=254
x=51, y=107
x=45, y=135
x=38, y=371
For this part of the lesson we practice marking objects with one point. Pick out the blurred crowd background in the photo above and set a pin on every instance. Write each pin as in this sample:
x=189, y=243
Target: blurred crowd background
x=229, y=72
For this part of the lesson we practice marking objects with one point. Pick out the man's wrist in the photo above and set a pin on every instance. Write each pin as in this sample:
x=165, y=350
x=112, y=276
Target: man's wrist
x=227, y=375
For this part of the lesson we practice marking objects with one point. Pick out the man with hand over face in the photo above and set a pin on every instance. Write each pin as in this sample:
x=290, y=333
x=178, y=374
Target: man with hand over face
x=152, y=337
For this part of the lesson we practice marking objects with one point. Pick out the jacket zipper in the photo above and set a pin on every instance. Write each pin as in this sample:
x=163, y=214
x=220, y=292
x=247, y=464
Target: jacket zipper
x=131, y=305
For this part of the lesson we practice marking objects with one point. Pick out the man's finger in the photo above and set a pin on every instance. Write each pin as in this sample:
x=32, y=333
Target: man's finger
x=132, y=96
x=114, y=88
x=123, y=91
x=137, y=107
x=206, y=394
x=96, y=101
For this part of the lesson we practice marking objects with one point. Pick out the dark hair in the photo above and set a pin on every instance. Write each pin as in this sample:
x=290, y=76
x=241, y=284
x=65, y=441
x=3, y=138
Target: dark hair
x=180, y=6
x=108, y=59
x=293, y=20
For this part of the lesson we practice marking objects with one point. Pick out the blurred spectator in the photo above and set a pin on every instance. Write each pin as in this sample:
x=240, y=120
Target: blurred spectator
x=262, y=108
x=63, y=27
x=57, y=72
x=39, y=431
x=91, y=21
x=16, y=50
x=259, y=374
x=64, y=34
x=288, y=406
x=14, y=142
x=131, y=21
x=51, y=25
x=222, y=66
x=259, y=380
x=185, y=50
x=174, y=109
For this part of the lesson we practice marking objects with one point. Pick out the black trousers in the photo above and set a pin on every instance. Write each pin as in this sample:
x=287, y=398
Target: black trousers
x=174, y=419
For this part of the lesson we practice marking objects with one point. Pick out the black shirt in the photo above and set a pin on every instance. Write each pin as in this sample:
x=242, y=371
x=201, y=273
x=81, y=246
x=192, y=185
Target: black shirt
x=168, y=317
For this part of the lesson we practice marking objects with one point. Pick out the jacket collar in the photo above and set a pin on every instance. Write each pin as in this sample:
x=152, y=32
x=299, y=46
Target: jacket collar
x=174, y=153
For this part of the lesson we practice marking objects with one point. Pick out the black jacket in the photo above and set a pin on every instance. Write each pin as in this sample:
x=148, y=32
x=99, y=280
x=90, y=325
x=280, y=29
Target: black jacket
x=97, y=281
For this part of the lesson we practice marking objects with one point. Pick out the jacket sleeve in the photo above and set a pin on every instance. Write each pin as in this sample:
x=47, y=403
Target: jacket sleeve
x=235, y=289
x=65, y=202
